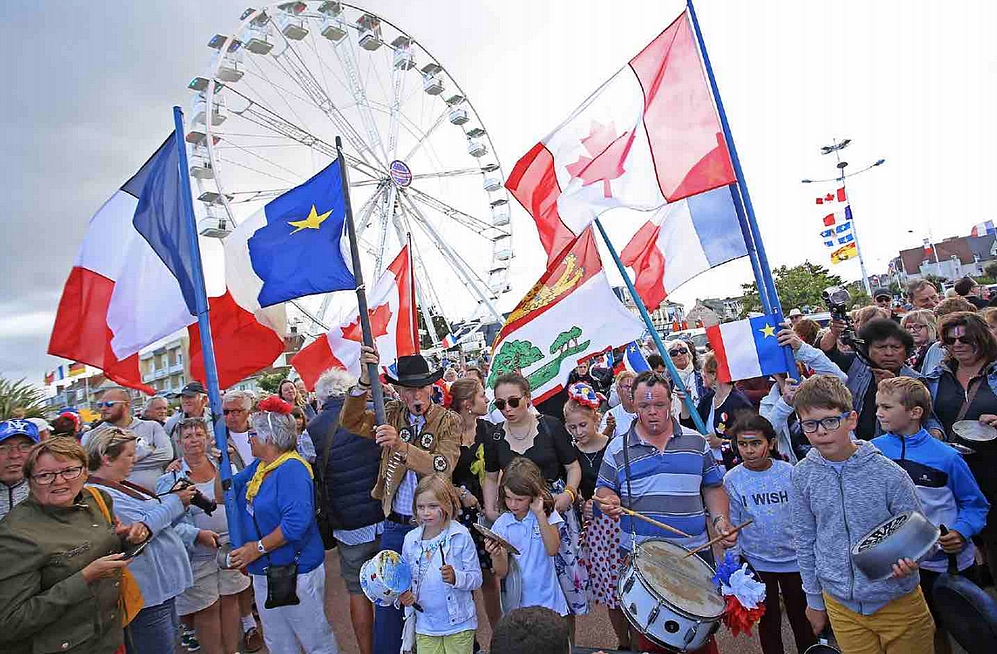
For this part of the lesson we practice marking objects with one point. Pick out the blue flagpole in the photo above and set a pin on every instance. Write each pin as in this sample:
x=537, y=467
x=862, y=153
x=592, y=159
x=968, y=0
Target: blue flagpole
x=207, y=346
x=693, y=412
x=765, y=283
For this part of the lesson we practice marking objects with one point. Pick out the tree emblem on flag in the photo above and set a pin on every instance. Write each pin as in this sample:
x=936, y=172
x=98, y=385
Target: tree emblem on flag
x=514, y=356
x=608, y=152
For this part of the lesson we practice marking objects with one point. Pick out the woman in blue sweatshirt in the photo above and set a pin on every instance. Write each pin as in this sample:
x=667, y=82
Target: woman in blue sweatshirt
x=759, y=490
x=947, y=489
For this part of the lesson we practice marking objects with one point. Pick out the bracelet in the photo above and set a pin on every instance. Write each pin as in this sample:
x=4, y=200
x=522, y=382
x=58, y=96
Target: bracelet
x=571, y=494
x=362, y=385
x=718, y=518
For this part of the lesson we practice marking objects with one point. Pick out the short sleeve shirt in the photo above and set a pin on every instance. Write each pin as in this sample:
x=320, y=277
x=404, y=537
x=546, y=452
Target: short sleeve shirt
x=667, y=485
x=539, y=579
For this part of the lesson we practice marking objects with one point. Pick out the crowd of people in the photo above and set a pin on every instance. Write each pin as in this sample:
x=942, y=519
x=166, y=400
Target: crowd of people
x=116, y=539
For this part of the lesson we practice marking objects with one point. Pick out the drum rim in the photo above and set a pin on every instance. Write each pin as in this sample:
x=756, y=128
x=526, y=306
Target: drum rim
x=683, y=612
x=713, y=624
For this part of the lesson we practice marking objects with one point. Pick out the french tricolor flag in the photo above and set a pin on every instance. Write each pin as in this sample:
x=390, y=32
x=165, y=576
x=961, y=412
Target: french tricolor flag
x=984, y=228
x=131, y=285
x=747, y=348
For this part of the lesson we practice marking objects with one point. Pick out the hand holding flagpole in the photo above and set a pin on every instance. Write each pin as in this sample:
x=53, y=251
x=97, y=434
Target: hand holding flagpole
x=368, y=339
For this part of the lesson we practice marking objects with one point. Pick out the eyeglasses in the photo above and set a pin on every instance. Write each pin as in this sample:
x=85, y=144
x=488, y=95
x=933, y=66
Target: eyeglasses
x=513, y=403
x=48, y=478
x=678, y=351
x=915, y=326
x=107, y=404
x=952, y=340
x=829, y=423
x=193, y=421
x=230, y=411
x=23, y=448
x=252, y=434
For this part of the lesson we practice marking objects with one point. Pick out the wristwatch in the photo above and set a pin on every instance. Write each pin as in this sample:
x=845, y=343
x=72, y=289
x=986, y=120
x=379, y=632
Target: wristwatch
x=260, y=548
x=718, y=518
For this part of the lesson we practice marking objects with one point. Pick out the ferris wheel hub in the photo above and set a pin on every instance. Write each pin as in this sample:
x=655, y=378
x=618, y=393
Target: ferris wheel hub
x=400, y=173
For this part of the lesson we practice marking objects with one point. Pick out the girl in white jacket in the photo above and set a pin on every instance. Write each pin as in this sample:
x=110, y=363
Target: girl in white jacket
x=445, y=572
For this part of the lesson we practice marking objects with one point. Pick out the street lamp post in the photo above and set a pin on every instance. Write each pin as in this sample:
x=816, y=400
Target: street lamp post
x=836, y=147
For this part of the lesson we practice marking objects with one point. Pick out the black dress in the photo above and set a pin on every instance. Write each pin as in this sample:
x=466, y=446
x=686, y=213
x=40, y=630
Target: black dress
x=465, y=478
x=590, y=464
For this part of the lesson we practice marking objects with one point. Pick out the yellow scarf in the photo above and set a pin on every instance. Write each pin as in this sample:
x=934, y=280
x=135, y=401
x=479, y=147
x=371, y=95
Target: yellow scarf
x=478, y=465
x=263, y=470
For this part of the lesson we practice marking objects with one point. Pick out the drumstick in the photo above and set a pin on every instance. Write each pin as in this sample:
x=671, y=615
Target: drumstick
x=718, y=538
x=654, y=522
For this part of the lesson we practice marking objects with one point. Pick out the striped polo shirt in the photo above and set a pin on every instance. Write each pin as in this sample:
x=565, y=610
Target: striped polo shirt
x=667, y=485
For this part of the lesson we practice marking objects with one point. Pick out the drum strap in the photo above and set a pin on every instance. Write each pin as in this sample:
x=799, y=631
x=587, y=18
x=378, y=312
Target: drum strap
x=630, y=493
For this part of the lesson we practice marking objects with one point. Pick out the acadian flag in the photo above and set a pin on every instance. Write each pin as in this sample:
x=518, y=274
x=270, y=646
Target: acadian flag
x=633, y=359
x=647, y=137
x=984, y=228
x=453, y=340
x=746, y=348
x=571, y=313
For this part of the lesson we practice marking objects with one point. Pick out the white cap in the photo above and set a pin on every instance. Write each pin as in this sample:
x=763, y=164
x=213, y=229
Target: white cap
x=41, y=423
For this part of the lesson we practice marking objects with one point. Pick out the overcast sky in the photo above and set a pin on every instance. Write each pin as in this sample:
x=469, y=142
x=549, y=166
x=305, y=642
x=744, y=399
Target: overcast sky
x=90, y=85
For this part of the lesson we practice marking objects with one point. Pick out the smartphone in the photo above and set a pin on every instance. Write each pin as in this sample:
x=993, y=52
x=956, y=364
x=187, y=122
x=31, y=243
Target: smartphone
x=135, y=550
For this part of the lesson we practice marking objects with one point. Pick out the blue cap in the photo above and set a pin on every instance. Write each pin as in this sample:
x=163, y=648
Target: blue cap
x=11, y=428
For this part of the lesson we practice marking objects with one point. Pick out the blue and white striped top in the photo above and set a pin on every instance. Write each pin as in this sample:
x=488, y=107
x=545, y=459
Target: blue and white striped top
x=667, y=485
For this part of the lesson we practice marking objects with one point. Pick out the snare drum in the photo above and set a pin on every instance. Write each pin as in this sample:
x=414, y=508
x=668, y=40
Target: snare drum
x=669, y=599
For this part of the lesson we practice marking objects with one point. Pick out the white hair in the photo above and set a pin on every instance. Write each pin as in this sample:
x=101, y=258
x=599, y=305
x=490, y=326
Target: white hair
x=155, y=398
x=243, y=396
x=334, y=382
x=275, y=428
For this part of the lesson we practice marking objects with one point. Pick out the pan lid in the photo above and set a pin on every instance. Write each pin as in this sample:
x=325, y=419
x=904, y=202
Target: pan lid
x=974, y=430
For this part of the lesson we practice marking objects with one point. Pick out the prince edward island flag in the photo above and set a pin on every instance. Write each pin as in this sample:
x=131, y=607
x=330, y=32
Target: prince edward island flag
x=296, y=245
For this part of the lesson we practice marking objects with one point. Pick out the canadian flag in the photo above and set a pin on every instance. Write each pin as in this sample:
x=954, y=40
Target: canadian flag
x=648, y=136
x=393, y=322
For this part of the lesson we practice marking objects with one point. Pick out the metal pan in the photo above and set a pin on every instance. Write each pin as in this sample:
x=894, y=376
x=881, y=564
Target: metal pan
x=488, y=533
x=823, y=644
x=974, y=430
x=965, y=610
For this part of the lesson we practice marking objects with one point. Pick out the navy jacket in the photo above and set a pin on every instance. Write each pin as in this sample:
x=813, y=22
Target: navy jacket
x=351, y=472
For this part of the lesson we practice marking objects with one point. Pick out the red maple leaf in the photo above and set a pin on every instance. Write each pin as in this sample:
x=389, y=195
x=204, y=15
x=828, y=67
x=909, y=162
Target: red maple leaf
x=829, y=197
x=379, y=317
x=608, y=154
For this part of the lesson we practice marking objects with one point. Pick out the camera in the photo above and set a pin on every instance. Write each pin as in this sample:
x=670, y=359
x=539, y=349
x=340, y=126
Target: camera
x=199, y=500
x=836, y=298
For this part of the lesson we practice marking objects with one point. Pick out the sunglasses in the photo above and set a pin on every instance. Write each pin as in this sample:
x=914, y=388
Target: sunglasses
x=952, y=340
x=678, y=351
x=109, y=403
x=513, y=403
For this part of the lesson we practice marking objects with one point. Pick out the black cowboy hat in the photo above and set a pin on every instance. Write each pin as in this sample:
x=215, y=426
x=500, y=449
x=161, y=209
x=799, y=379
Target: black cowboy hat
x=413, y=372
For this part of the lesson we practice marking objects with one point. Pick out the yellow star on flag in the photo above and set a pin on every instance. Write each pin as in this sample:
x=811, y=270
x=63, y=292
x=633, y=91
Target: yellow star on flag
x=313, y=221
x=767, y=330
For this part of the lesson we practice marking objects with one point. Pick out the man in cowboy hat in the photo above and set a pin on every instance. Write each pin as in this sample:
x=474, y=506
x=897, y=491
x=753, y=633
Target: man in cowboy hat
x=419, y=438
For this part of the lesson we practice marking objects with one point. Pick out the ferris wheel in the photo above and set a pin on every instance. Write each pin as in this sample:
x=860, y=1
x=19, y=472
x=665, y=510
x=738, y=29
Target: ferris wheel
x=293, y=76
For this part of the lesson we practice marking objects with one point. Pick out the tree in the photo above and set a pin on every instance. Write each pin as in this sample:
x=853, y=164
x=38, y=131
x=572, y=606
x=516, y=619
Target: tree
x=937, y=280
x=19, y=399
x=799, y=286
x=269, y=382
x=425, y=340
x=513, y=356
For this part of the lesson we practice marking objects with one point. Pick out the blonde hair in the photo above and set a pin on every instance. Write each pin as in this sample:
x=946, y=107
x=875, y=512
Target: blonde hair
x=710, y=364
x=444, y=492
x=922, y=317
x=462, y=392
x=64, y=447
x=911, y=393
x=823, y=392
x=107, y=441
x=522, y=477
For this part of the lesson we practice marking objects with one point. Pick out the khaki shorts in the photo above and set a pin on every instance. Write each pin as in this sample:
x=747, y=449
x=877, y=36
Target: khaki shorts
x=351, y=558
x=210, y=583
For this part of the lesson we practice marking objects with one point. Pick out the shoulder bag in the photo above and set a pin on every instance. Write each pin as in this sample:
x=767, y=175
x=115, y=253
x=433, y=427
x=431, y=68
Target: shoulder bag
x=282, y=580
x=130, y=599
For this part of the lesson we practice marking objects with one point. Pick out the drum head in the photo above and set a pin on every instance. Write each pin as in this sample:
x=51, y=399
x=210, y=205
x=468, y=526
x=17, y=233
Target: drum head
x=685, y=583
x=974, y=430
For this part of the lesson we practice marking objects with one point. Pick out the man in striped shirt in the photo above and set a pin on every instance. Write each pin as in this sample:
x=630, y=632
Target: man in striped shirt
x=674, y=478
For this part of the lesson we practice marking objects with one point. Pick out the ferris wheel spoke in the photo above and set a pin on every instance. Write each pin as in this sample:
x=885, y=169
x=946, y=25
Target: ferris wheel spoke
x=358, y=92
x=281, y=92
x=479, y=226
x=429, y=132
x=363, y=217
x=463, y=270
x=461, y=172
x=423, y=280
x=255, y=170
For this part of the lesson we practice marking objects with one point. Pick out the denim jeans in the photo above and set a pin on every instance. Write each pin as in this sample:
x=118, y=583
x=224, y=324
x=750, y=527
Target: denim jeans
x=388, y=621
x=155, y=630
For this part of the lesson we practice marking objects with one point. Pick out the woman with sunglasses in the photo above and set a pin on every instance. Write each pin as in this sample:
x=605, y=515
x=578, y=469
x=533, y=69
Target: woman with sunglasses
x=60, y=560
x=964, y=387
x=163, y=569
x=685, y=358
x=544, y=440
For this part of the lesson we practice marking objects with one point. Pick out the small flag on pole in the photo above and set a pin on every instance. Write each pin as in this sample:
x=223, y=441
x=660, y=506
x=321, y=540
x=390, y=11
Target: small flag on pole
x=746, y=348
x=633, y=359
